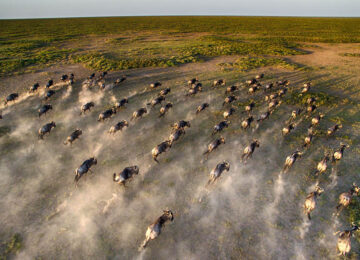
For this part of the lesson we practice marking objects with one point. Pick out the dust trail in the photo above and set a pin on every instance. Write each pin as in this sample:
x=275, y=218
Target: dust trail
x=67, y=92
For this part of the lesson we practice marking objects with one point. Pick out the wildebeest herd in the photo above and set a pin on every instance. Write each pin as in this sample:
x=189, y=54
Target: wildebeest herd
x=272, y=98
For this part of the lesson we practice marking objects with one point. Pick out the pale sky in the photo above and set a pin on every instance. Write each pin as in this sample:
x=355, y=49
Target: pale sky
x=86, y=8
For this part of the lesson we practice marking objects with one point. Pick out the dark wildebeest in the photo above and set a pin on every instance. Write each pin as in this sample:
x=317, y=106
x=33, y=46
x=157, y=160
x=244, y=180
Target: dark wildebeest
x=344, y=240
x=44, y=109
x=176, y=135
x=49, y=83
x=11, y=98
x=219, y=82
x=34, y=88
x=155, y=84
x=202, y=107
x=107, y=114
x=164, y=92
x=180, y=124
x=247, y=122
x=217, y=171
x=333, y=129
x=345, y=198
x=154, y=230
x=165, y=109
x=156, y=101
x=139, y=113
x=214, y=145
x=118, y=127
x=249, y=150
x=45, y=129
x=337, y=155
x=125, y=175
x=159, y=149
x=310, y=201
x=49, y=94
x=228, y=113
x=73, y=136
x=84, y=168
x=86, y=107
x=290, y=160
x=121, y=103
x=220, y=126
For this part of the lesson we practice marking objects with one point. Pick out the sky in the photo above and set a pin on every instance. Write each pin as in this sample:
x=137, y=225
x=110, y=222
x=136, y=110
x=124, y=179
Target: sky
x=10, y=9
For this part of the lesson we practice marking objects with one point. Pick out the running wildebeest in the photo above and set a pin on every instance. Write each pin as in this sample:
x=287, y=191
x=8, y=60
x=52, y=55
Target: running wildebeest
x=164, y=92
x=74, y=135
x=180, y=124
x=92, y=76
x=259, y=76
x=231, y=89
x=253, y=89
x=49, y=83
x=229, y=100
x=282, y=92
x=271, y=97
x=249, y=108
x=268, y=86
x=273, y=104
x=214, y=145
x=264, y=116
x=247, y=122
x=283, y=83
x=194, y=90
x=49, y=94
x=64, y=77
x=156, y=101
x=44, y=109
x=107, y=114
x=121, y=103
x=295, y=113
x=165, y=109
x=159, y=149
x=86, y=107
x=84, y=168
x=311, y=108
x=345, y=198
x=176, y=135
x=337, y=155
x=228, y=113
x=217, y=171
x=219, y=82
x=139, y=113
x=118, y=127
x=249, y=150
x=45, y=129
x=154, y=230
x=310, y=100
x=287, y=129
x=316, y=120
x=192, y=81
x=10, y=98
x=310, y=201
x=344, y=240
x=290, y=160
x=201, y=107
x=308, y=139
x=34, y=88
x=322, y=165
x=333, y=129
x=306, y=87
x=155, y=84
x=220, y=126
x=125, y=175
x=251, y=81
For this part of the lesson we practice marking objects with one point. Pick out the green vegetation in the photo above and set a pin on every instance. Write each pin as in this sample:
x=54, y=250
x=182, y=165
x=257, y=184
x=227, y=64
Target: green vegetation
x=116, y=43
x=249, y=63
x=347, y=54
x=322, y=99
x=11, y=247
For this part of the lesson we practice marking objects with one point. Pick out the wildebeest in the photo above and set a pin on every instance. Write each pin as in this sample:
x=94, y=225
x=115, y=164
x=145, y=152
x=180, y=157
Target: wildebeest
x=107, y=114
x=249, y=108
x=231, y=89
x=249, y=150
x=322, y=165
x=44, y=109
x=259, y=76
x=45, y=129
x=273, y=104
x=254, y=88
x=287, y=129
x=220, y=126
x=155, y=84
x=217, y=171
x=202, y=107
x=214, y=145
x=228, y=113
x=121, y=103
x=333, y=129
x=180, y=124
x=118, y=127
x=34, y=87
x=295, y=113
x=192, y=81
x=290, y=160
x=156, y=101
x=49, y=94
x=165, y=109
x=344, y=240
x=126, y=174
x=64, y=77
x=306, y=87
x=86, y=107
x=73, y=136
x=139, y=113
x=194, y=90
x=84, y=168
x=154, y=230
x=164, y=92
x=282, y=92
x=264, y=116
x=308, y=139
x=268, y=86
x=49, y=83
x=337, y=155
x=271, y=97
x=251, y=81
x=176, y=135
x=247, y=122
x=219, y=82
x=310, y=201
x=311, y=100
x=10, y=98
x=345, y=198
x=316, y=120
x=92, y=76
x=159, y=149
x=311, y=108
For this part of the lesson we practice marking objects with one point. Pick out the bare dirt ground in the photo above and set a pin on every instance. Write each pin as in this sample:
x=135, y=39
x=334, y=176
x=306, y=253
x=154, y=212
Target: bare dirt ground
x=251, y=212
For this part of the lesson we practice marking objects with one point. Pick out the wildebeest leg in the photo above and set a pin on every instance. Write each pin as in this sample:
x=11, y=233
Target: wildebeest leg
x=308, y=215
x=155, y=159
